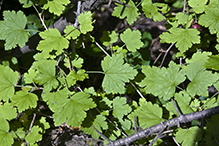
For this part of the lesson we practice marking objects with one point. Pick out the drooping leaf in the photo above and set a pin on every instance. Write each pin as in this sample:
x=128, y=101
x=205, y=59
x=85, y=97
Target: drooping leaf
x=12, y=29
x=116, y=74
x=148, y=114
x=130, y=12
x=56, y=6
x=8, y=78
x=132, y=39
x=73, y=77
x=52, y=40
x=47, y=74
x=85, y=22
x=162, y=82
x=24, y=100
x=71, y=32
x=72, y=111
x=6, y=138
x=120, y=108
x=188, y=136
x=184, y=38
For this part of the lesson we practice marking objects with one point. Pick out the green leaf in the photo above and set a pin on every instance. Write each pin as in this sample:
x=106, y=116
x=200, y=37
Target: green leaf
x=53, y=98
x=85, y=22
x=151, y=10
x=6, y=138
x=24, y=100
x=52, y=41
x=26, y=3
x=71, y=32
x=120, y=107
x=72, y=111
x=212, y=62
x=47, y=75
x=12, y=29
x=198, y=5
x=200, y=79
x=7, y=112
x=34, y=135
x=162, y=82
x=210, y=19
x=28, y=77
x=184, y=38
x=73, y=77
x=132, y=39
x=99, y=123
x=148, y=114
x=116, y=74
x=8, y=79
x=188, y=136
x=183, y=100
x=130, y=12
x=56, y=6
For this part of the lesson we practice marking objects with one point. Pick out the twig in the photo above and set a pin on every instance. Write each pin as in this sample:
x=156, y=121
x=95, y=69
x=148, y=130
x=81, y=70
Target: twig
x=157, y=136
x=139, y=93
x=184, y=6
x=175, y=141
x=166, y=52
x=101, y=47
x=158, y=57
x=136, y=129
x=31, y=124
x=77, y=14
x=39, y=14
x=174, y=104
x=102, y=135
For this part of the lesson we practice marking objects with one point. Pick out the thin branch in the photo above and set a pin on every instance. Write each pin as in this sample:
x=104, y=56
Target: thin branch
x=174, y=104
x=139, y=93
x=136, y=129
x=31, y=124
x=77, y=14
x=102, y=135
x=39, y=14
x=98, y=45
x=166, y=52
x=184, y=6
x=157, y=136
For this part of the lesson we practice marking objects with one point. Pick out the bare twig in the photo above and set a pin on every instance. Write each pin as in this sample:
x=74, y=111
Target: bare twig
x=98, y=45
x=174, y=104
x=166, y=52
x=139, y=93
x=102, y=135
x=157, y=136
x=136, y=129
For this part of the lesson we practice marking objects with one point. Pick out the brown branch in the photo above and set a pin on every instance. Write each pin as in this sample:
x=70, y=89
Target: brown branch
x=170, y=123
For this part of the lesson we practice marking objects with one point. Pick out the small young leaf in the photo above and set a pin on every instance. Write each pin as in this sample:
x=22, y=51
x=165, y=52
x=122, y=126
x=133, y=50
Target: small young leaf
x=130, y=12
x=12, y=29
x=26, y=3
x=188, y=136
x=71, y=32
x=116, y=74
x=24, y=100
x=28, y=77
x=73, y=76
x=52, y=41
x=132, y=39
x=162, y=82
x=120, y=108
x=34, y=135
x=8, y=78
x=56, y=6
x=85, y=22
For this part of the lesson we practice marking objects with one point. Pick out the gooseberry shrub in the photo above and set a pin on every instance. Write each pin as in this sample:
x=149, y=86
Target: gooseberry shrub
x=58, y=79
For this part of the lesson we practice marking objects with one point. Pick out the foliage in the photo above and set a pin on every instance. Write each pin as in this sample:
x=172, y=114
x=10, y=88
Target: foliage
x=131, y=88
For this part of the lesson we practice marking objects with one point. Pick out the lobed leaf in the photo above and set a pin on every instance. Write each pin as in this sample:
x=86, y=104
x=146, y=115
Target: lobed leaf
x=56, y=6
